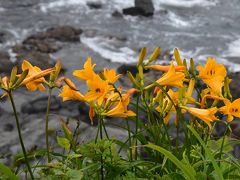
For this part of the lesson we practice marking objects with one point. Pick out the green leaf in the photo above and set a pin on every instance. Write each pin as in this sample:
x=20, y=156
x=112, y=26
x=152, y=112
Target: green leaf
x=75, y=174
x=208, y=153
x=6, y=171
x=63, y=142
x=187, y=170
x=67, y=132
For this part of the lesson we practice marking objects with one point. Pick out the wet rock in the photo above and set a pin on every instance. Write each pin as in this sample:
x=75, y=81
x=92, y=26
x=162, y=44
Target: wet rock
x=2, y=37
x=142, y=7
x=5, y=63
x=146, y=5
x=123, y=69
x=8, y=127
x=117, y=14
x=235, y=84
x=40, y=105
x=133, y=11
x=44, y=46
x=60, y=33
x=94, y=5
x=74, y=109
x=42, y=60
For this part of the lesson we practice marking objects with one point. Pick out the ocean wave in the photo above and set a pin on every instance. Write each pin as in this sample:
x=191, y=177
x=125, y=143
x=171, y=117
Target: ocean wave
x=185, y=3
x=2, y=9
x=110, y=52
x=233, y=49
x=177, y=21
x=44, y=7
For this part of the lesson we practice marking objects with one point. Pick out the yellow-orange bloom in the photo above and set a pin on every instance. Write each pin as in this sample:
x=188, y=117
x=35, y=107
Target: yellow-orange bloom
x=165, y=68
x=231, y=109
x=98, y=89
x=169, y=105
x=213, y=75
x=119, y=104
x=120, y=110
x=35, y=77
x=207, y=115
x=70, y=92
x=87, y=72
x=172, y=78
x=110, y=75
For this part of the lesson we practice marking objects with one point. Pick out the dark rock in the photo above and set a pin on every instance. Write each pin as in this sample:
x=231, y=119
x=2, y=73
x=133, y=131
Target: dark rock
x=36, y=58
x=2, y=37
x=8, y=127
x=142, y=7
x=123, y=69
x=36, y=47
x=146, y=5
x=94, y=5
x=117, y=14
x=236, y=151
x=71, y=109
x=235, y=84
x=44, y=46
x=40, y=105
x=5, y=63
x=60, y=33
x=133, y=11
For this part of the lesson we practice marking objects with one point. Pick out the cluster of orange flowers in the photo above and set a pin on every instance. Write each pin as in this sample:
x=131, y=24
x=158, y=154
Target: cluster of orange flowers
x=214, y=76
x=103, y=97
x=172, y=90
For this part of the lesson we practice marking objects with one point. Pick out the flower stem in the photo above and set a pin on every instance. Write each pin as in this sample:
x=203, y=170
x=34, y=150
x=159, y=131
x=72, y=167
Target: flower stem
x=100, y=130
x=130, y=141
x=136, y=127
x=19, y=134
x=46, y=123
x=224, y=135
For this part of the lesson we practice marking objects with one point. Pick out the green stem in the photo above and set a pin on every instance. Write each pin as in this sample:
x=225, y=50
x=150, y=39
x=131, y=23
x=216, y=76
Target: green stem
x=101, y=137
x=130, y=141
x=46, y=123
x=221, y=149
x=105, y=130
x=20, y=134
x=136, y=128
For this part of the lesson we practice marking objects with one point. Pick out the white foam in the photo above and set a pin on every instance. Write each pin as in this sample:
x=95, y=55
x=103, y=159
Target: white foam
x=108, y=51
x=2, y=9
x=184, y=3
x=177, y=21
x=13, y=56
x=44, y=7
x=233, y=49
x=121, y=4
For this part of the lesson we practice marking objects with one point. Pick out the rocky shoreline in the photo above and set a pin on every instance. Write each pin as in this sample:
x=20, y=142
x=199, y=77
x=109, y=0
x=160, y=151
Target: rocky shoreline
x=37, y=49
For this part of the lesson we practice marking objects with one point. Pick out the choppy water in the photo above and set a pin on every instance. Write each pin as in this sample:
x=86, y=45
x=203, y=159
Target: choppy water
x=199, y=28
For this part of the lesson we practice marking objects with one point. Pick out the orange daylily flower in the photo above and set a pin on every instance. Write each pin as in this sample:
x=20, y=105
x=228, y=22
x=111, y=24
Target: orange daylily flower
x=98, y=89
x=110, y=75
x=207, y=115
x=87, y=72
x=231, y=109
x=119, y=111
x=165, y=68
x=91, y=114
x=169, y=107
x=70, y=92
x=54, y=75
x=35, y=77
x=213, y=75
x=172, y=78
